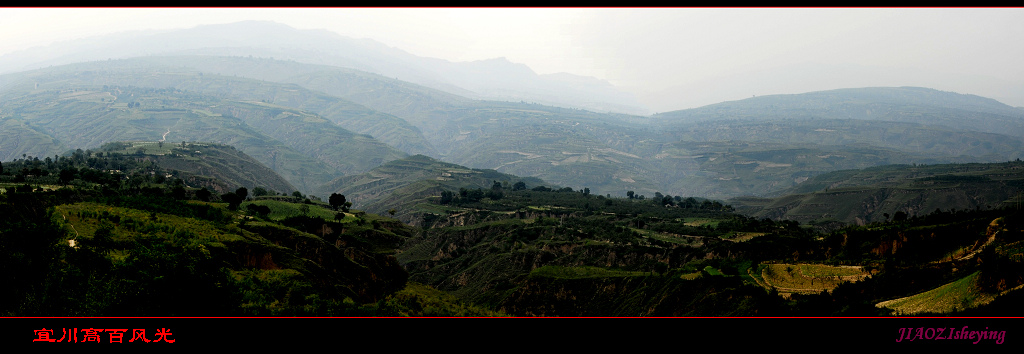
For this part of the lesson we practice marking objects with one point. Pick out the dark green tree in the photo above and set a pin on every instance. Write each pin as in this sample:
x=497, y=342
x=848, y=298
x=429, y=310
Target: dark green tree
x=899, y=216
x=261, y=210
x=336, y=201
x=259, y=192
x=242, y=193
x=447, y=197
x=204, y=194
x=67, y=174
x=232, y=199
x=178, y=192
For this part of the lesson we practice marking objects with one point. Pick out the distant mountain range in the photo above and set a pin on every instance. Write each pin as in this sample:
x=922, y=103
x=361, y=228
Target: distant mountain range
x=493, y=79
x=316, y=123
x=327, y=107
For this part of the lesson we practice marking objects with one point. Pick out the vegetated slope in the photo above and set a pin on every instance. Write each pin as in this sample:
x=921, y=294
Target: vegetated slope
x=956, y=296
x=77, y=110
x=603, y=256
x=732, y=168
x=387, y=96
x=874, y=194
x=525, y=252
x=896, y=104
x=957, y=262
x=759, y=155
x=133, y=243
x=221, y=168
x=764, y=145
x=480, y=134
x=273, y=84
x=408, y=185
x=927, y=141
x=541, y=252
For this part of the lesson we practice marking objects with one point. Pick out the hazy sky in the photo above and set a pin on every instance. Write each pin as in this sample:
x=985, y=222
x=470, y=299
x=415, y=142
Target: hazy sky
x=651, y=52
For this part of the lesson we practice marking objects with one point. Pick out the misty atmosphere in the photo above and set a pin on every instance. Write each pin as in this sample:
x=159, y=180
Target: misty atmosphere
x=511, y=162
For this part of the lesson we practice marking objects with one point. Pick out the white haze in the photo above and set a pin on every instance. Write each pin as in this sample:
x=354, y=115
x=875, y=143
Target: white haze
x=669, y=58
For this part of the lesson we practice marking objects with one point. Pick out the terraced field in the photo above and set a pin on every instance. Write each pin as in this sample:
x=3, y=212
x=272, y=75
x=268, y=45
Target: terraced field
x=955, y=296
x=808, y=278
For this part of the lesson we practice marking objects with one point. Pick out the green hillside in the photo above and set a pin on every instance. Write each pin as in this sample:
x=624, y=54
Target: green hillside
x=100, y=228
x=107, y=238
x=221, y=168
x=877, y=193
x=893, y=104
x=305, y=148
x=408, y=185
x=755, y=147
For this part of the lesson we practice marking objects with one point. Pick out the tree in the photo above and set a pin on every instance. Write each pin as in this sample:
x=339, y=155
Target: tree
x=204, y=194
x=178, y=192
x=67, y=174
x=261, y=210
x=259, y=192
x=518, y=186
x=661, y=268
x=447, y=197
x=242, y=192
x=474, y=195
x=232, y=199
x=392, y=211
x=899, y=216
x=630, y=194
x=336, y=201
x=297, y=194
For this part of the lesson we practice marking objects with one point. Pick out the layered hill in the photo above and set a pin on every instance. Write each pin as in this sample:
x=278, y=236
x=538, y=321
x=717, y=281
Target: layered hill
x=86, y=108
x=496, y=78
x=220, y=168
x=756, y=147
x=408, y=185
x=574, y=143
x=895, y=104
x=875, y=194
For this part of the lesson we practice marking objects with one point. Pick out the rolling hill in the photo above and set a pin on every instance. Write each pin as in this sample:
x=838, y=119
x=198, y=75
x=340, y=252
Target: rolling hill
x=85, y=108
x=874, y=194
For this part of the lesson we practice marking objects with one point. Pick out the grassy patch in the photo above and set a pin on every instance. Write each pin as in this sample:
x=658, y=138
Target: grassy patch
x=582, y=272
x=279, y=210
x=740, y=236
x=665, y=237
x=958, y=295
x=790, y=278
x=820, y=270
x=701, y=222
x=418, y=300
